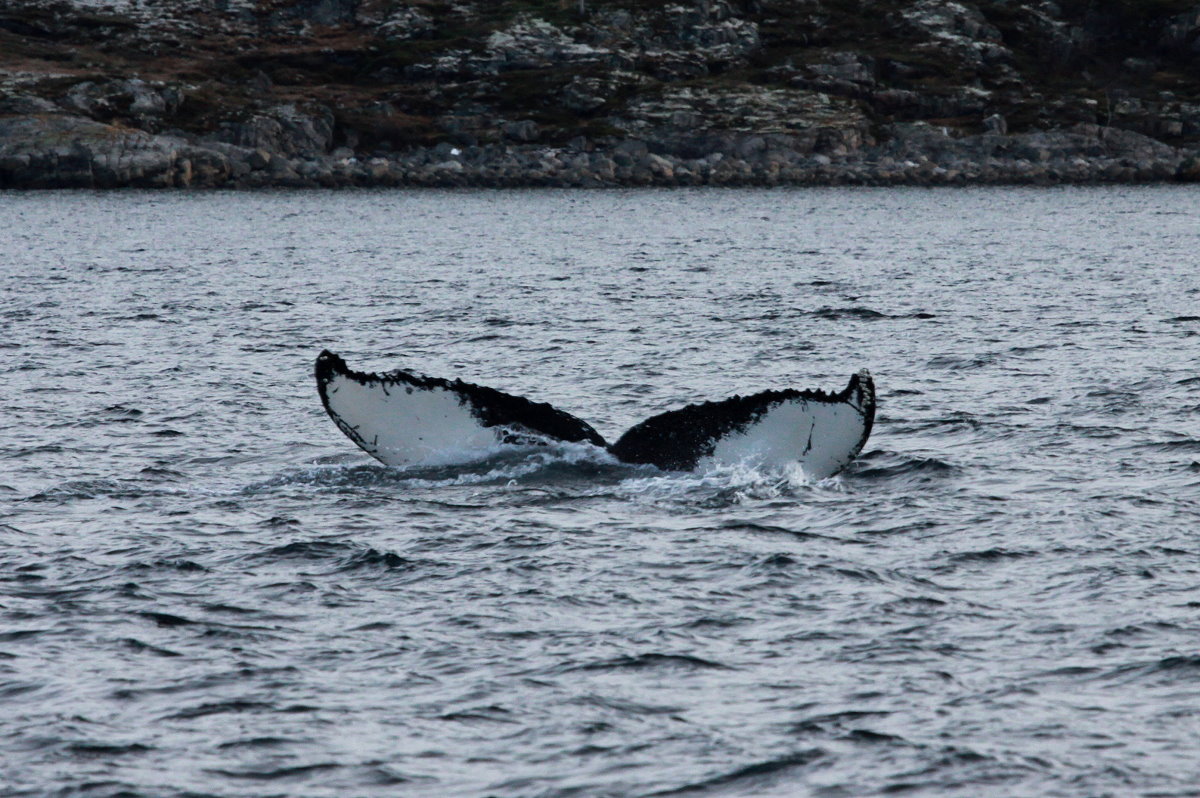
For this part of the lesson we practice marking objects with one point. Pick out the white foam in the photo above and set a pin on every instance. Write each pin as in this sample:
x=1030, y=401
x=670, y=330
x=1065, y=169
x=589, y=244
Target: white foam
x=734, y=483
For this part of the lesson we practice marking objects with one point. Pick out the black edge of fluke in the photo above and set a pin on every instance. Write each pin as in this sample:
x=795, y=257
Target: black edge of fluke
x=862, y=388
x=327, y=367
x=328, y=364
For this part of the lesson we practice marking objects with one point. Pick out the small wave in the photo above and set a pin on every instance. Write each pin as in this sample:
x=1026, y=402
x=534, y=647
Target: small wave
x=133, y=644
x=279, y=522
x=257, y=742
x=771, y=564
x=991, y=555
x=902, y=529
x=33, y=451
x=20, y=634
x=949, y=424
x=166, y=564
x=1180, y=666
x=866, y=314
x=754, y=526
x=488, y=714
x=882, y=465
x=834, y=721
x=85, y=489
x=166, y=619
x=344, y=556
x=962, y=362
x=159, y=473
x=93, y=749
x=220, y=708
x=80, y=489
x=751, y=778
x=113, y=414
x=277, y=774
x=835, y=314
x=625, y=706
x=1186, y=445
x=648, y=661
x=873, y=737
x=13, y=689
x=374, y=559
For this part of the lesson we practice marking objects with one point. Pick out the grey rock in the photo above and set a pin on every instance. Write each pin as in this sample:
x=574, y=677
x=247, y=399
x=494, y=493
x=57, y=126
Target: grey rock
x=1188, y=170
x=86, y=98
x=28, y=104
x=286, y=130
x=521, y=130
x=750, y=147
x=71, y=151
x=658, y=166
x=1180, y=32
x=320, y=12
x=584, y=95
x=403, y=23
x=956, y=30
x=532, y=43
x=144, y=100
x=1140, y=67
x=258, y=158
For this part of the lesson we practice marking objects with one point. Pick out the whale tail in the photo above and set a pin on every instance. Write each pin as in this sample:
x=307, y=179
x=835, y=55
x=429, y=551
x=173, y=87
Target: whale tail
x=401, y=418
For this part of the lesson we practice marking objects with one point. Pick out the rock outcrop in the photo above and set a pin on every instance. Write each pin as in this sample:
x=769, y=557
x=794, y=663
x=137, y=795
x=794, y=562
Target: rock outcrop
x=248, y=93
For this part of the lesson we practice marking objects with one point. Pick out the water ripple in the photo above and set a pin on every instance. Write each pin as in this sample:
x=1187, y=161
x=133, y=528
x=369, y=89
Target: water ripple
x=206, y=590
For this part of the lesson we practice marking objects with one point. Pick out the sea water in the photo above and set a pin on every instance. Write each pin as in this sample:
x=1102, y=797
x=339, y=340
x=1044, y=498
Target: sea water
x=207, y=590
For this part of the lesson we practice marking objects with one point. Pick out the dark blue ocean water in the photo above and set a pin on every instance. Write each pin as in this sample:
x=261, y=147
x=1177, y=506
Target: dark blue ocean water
x=206, y=590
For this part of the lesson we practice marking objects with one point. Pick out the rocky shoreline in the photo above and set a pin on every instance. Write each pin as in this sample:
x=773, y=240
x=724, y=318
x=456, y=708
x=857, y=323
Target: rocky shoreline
x=332, y=93
x=49, y=151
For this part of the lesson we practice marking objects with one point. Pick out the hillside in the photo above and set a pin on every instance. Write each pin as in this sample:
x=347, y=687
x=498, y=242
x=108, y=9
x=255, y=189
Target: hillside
x=589, y=93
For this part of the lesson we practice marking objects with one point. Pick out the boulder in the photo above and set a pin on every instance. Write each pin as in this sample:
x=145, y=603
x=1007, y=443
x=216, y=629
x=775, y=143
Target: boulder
x=996, y=123
x=532, y=43
x=64, y=151
x=521, y=130
x=286, y=130
x=1189, y=169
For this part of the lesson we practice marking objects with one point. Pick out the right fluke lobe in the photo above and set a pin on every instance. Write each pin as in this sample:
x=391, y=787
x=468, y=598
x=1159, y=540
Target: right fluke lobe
x=819, y=431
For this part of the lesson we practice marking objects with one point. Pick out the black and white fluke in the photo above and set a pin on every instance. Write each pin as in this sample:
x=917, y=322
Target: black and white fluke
x=401, y=419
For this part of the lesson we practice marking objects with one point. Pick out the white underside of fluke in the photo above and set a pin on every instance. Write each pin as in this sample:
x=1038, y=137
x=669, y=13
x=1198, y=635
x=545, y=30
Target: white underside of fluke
x=403, y=425
x=820, y=437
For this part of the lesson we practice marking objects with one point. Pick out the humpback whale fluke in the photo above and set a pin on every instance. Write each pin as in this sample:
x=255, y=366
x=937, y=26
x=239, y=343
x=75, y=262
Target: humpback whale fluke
x=401, y=418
